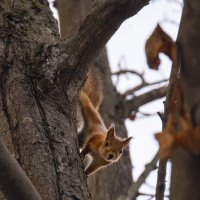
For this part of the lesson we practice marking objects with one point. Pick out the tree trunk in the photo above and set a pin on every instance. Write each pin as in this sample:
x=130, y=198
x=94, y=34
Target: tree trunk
x=37, y=118
x=185, y=181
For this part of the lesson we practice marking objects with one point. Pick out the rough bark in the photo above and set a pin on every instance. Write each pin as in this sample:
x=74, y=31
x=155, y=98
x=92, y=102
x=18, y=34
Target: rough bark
x=37, y=121
x=185, y=181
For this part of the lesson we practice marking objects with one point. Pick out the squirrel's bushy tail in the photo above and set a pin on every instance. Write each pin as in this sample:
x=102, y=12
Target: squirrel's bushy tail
x=93, y=87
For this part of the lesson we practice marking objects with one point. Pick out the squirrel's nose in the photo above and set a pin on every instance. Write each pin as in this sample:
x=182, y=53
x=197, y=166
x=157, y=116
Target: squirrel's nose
x=110, y=156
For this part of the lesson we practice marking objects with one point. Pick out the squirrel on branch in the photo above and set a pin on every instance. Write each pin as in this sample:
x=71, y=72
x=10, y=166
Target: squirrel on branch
x=102, y=145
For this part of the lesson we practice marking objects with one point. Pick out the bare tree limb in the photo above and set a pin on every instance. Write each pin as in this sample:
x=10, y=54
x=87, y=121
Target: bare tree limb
x=104, y=19
x=134, y=188
x=142, y=85
x=137, y=101
x=13, y=181
x=125, y=71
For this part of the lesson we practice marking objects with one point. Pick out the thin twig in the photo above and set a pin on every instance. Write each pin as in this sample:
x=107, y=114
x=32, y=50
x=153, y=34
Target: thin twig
x=125, y=71
x=160, y=186
x=145, y=194
x=141, y=86
x=161, y=115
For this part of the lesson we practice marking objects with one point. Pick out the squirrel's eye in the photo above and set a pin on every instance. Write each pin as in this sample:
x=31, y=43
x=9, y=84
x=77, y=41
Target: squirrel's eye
x=120, y=152
x=106, y=144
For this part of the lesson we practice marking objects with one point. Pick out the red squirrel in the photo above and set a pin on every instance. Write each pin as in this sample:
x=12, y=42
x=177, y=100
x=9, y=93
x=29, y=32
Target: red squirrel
x=102, y=144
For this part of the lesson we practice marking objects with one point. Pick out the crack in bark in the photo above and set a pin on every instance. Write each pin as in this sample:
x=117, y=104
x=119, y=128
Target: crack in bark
x=12, y=130
x=48, y=135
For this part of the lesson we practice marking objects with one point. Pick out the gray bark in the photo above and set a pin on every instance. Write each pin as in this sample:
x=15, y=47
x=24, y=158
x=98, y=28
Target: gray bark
x=37, y=119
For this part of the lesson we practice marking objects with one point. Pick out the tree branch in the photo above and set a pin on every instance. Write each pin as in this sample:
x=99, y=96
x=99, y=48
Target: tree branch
x=102, y=22
x=142, y=85
x=134, y=188
x=125, y=71
x=137, y=101
x=13, y=181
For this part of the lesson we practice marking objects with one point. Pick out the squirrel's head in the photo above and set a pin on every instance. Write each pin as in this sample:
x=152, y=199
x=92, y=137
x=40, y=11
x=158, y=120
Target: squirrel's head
x=113, y=145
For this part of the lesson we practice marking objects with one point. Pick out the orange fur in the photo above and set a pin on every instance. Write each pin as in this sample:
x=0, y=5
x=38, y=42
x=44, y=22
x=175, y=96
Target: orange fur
x=93, y=88
x=103, y=146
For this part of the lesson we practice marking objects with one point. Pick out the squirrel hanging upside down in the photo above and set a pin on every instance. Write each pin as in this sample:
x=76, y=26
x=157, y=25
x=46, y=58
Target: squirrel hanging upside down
x=102, y=144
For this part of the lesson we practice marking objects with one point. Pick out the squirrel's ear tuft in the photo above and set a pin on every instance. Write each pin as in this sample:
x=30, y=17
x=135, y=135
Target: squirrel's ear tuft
x=111, y=132
x=126, y=141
